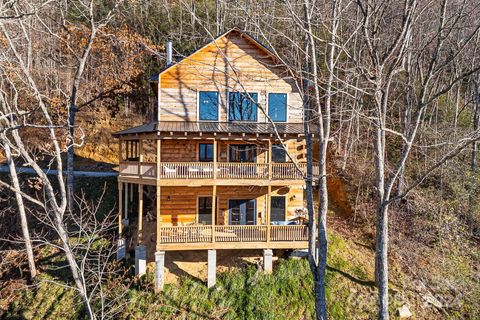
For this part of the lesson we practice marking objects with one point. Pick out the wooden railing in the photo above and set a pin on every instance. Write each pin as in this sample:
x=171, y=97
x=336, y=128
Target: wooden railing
x=240, y=233
x=289, y=233
x=225, y=170
x=202, y=234
x=234, y=170
x=186, y=234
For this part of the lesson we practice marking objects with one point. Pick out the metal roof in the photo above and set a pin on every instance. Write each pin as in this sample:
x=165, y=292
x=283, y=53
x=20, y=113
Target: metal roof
x=215, y=127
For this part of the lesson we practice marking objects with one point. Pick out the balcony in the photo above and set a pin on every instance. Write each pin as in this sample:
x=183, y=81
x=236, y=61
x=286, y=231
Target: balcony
x=205, y=171
x=228, y=236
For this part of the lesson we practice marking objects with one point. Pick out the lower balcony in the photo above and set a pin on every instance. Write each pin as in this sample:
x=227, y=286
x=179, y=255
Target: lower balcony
x=214, y=171
x=233, y=237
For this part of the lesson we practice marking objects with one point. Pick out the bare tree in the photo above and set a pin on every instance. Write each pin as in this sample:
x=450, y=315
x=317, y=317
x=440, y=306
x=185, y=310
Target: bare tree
x=424, y=58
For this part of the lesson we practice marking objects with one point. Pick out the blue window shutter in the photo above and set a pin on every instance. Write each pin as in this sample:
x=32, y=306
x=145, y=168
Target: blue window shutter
x=277, y=107
x=208, y=105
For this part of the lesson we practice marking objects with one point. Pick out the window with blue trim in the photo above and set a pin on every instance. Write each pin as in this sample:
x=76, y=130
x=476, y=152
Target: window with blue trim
x=208, y=105
x=277, y=107
x=241, y=107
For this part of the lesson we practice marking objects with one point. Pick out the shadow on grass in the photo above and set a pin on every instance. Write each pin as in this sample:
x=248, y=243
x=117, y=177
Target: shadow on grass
x=368, y=283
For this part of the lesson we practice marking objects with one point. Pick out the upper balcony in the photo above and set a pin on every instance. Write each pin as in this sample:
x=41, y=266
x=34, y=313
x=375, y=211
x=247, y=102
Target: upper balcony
x=220, y=173
x=206, y=153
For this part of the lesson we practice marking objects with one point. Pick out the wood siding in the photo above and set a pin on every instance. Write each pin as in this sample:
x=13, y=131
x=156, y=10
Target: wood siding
x=187, y=150
x=179, y=204
x=231, y=63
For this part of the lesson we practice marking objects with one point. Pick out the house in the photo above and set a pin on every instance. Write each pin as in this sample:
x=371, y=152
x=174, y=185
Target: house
x=213, y=172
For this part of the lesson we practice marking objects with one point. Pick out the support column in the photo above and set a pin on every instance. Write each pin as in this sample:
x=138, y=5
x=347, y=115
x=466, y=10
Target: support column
x=270, y=159
x=159, y=270
x=215, y=158
x=121, y=249
x=140, y=249
x=159, y=157
x=269, y=206
x=267, y=261
x=140, y=213
x=125, y=221
x=214, y=210
x=120, y=205
x=159, y=218
x=212, y=268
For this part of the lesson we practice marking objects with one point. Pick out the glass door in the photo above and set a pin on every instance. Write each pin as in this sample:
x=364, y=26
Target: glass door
x=241, y=212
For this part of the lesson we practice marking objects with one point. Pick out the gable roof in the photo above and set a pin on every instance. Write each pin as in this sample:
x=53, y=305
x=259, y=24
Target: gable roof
x=250, y=38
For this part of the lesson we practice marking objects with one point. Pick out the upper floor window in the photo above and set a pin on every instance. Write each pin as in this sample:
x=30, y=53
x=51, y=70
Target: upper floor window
x=277, y=107
x=205, y=152
x=208, y=105
x=241, y=107
x=278, y=153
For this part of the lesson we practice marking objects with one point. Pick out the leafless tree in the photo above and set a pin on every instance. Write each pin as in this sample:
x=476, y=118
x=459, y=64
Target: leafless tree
x=400, y=43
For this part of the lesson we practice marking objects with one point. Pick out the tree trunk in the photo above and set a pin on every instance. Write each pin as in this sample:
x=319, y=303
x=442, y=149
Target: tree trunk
x=21, y=210
x=476, y=120
x=381, y=243
x=322, y=234
x=70, y=156
x=381, y=255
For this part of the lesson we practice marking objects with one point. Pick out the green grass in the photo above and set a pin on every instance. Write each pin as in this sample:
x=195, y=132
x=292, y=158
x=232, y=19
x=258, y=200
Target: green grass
x=243, y=294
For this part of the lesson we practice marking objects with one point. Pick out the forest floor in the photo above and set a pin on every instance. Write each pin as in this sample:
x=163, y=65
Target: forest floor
x=242, y=291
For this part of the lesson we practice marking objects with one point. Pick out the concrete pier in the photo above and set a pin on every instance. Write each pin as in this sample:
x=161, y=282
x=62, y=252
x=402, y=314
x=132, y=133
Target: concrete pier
x=267, y=261
x=212, y=268
x=159, y=270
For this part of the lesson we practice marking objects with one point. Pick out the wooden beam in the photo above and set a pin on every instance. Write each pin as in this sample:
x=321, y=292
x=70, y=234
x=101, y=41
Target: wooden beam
x=215, y=159
x=269, y=205
x=159, y=218
x=126, y=199
x=120, y=204
x=233, y=245
x=214, y=210
x=270, y=159
x=140, y=214
x=120, y=149
x=159, y=157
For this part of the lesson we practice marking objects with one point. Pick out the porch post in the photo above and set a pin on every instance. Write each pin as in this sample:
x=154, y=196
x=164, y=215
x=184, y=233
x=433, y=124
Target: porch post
x=120, y=150
x=126, y=200
x=120, y=204
x=140, y=155
x=159, y=157
x=159, y=218
x=214, y=158
x=121, y=250
x=140, y=250
x=140, y=213
x=269, y=191
x=269, y=159
x=214, y=210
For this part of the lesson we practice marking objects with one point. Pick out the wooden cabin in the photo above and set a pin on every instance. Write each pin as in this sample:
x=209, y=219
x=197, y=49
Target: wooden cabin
x=213, y=172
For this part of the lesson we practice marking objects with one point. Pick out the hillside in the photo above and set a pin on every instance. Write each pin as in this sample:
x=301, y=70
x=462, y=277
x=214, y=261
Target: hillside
x=242, y=291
